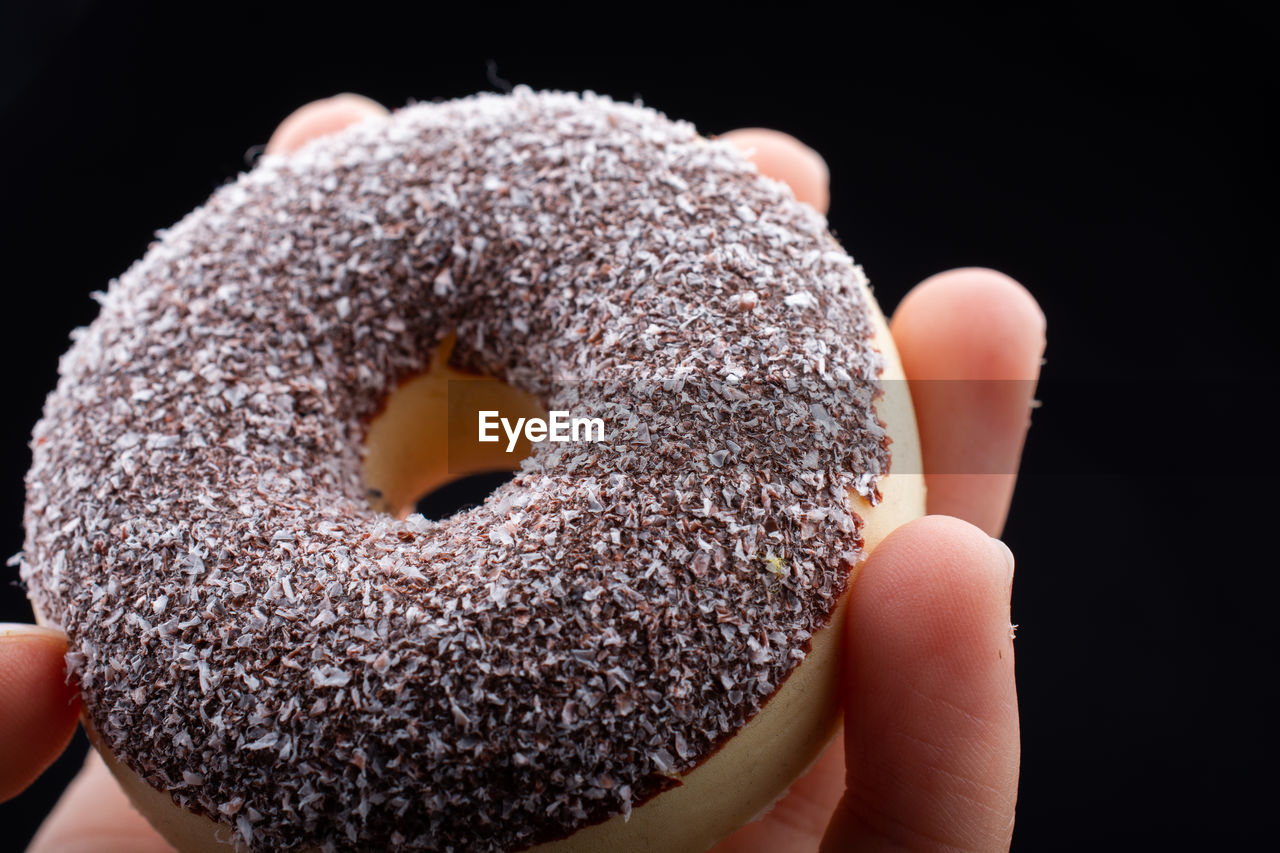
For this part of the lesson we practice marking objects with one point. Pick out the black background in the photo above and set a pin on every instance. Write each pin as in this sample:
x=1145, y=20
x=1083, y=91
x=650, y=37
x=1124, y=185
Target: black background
x=1122, y=170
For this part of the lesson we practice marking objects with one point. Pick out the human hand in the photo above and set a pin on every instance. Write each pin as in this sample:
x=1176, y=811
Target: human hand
x=931, y=712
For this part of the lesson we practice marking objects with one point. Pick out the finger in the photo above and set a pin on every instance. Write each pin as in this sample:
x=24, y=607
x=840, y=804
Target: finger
x=931, y=714
x=38, y=709
x=320, y=118
x=971, y=341
x=787, y=159
x=95, y=816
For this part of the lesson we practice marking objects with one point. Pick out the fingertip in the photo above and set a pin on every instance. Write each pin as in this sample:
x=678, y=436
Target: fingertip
x=931, y=709
x=38, y=708
x=321, y=118
x=986, y=284
x=971, y=342
x=783, y=157
x=970, y=323
x=968, y=574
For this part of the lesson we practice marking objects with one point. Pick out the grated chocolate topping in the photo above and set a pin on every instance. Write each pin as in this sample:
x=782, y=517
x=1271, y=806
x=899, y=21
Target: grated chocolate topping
x=253, y=638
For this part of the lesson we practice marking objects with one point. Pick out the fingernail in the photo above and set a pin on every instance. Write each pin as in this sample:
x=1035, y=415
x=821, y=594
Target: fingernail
x=15, y=631
x=1008, y=558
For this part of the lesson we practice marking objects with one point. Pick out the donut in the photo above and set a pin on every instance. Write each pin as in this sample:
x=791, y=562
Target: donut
x=631, y=645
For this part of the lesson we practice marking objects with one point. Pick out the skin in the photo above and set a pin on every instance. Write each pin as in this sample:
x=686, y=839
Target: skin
x=929, y=757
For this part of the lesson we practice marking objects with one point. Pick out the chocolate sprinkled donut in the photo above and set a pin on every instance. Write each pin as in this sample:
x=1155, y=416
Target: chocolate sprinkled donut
x=254, y=639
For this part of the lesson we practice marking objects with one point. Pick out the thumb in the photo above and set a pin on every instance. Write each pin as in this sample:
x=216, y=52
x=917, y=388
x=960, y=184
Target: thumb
x=931, y=713
x=38, y=709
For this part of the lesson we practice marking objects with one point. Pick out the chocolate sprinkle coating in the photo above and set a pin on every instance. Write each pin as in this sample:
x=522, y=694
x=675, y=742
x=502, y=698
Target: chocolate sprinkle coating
x=253, y=638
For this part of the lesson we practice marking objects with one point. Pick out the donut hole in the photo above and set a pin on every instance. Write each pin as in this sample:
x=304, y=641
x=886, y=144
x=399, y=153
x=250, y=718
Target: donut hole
x=423, y=453
x=461, y=494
